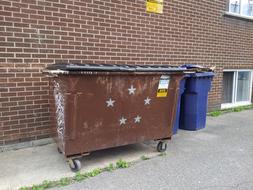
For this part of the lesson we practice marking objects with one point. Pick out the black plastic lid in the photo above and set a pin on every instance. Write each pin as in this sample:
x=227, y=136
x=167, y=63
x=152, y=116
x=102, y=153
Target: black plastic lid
x=114, y=68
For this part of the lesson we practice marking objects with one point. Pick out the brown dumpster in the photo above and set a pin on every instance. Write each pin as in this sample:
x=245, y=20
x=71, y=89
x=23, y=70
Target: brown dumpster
x=103, y=106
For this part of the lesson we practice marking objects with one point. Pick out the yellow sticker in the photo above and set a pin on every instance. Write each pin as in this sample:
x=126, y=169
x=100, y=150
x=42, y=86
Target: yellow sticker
x=162, y=93
x=163, y=86
x=154, y=6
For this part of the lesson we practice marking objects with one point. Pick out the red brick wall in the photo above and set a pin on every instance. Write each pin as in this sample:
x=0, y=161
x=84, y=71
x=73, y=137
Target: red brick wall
x=35, y=33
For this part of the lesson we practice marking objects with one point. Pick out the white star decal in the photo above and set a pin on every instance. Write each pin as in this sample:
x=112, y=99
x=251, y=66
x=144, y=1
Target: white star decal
x=137, y=119
x=110, y=102
x=147, y=101
x=122, y=121
x=131, y=90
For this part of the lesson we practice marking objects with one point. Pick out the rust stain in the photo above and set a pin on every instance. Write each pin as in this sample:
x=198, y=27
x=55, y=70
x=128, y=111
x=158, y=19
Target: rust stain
x=104, y=110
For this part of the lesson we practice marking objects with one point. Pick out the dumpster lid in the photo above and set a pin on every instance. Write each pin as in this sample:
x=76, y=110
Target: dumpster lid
x=75, y=67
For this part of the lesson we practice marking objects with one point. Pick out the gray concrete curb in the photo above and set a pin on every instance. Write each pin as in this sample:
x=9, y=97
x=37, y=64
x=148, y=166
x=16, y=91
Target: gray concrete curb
x=28, y=144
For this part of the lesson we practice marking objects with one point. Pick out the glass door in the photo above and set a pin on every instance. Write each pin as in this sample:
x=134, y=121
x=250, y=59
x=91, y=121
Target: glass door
x=228, y=82
x=237, y=88
x=243, y=86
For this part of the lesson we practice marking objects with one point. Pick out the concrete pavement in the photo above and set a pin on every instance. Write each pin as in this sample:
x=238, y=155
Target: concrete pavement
x=219, y=157
x=29, y=166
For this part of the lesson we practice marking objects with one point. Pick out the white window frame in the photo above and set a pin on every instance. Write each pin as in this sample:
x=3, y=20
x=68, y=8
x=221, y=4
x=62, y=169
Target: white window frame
x=229, y=12
x=234, y=102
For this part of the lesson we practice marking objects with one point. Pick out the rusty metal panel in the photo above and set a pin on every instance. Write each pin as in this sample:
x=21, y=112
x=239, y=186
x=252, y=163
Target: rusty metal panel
x=97, y=110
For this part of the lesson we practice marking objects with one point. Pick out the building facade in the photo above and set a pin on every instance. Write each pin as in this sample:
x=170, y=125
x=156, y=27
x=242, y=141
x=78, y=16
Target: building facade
x=36, y=33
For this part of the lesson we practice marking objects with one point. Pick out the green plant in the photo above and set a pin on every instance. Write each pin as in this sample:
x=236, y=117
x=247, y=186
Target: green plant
x=46, y=184
x=23, y=188
x=122, y=164
x=37, y=187
x=215, y=113
x=143, y=157
x=65, y=181
x=94, y=172
x=110, y=167
x=80, y=177
x=237, y=109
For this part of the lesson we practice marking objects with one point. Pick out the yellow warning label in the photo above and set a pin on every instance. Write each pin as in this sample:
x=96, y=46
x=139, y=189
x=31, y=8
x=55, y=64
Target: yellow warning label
x=163, y=86
x=162, y=93
x=154, y=6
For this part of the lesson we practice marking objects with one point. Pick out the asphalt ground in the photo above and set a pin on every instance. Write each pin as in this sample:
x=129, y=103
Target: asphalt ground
x=219, y=157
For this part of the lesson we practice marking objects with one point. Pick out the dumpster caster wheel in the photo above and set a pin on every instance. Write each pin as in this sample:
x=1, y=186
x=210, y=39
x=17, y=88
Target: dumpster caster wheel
x=59, y=150
x=75, y=165
x=161, y=146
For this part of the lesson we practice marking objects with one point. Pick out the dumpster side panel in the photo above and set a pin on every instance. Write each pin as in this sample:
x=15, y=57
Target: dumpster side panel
x=52, y=107
x=103, y=111
x=177, y=118
x=59, y=110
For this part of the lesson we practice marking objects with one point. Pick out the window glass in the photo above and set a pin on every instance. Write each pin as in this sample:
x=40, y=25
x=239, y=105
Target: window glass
x=234, y=6
x=247, y=6
x=237, y=87
x=243, y=86
x=227, y=95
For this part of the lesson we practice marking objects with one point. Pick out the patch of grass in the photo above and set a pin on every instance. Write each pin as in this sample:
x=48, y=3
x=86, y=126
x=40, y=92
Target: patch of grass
x=23, y=188
x=94, y=172
x=110, y=167
x=122, y=164
x=143, y=157
x=37, y=187
x=65, y=181
x=46, y=184
x=58, y=183
x=77, y=178
x=80, y=177
x=215, y=113
x=237, y=109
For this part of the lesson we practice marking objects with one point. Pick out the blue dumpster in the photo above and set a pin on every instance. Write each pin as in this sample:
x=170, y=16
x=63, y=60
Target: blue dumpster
x=194, y=101
x=177, y=119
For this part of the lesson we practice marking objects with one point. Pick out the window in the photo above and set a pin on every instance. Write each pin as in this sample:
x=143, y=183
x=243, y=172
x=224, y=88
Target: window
x=237, y=88
x=241, y=7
